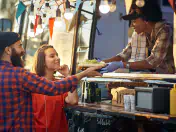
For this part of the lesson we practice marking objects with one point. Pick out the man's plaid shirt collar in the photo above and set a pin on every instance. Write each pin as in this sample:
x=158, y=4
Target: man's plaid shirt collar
x=2, y=62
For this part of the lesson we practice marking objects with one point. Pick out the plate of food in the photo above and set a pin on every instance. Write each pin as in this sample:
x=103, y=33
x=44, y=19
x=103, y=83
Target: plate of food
x=91, y=63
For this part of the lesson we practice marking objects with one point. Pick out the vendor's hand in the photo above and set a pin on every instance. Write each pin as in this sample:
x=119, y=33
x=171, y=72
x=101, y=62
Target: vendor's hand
x=90, y=72
x=112, y=66
x=64, y=70
x=98, y=60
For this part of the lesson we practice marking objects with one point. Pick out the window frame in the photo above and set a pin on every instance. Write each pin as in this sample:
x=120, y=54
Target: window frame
x=166, y=8
x=3, y=20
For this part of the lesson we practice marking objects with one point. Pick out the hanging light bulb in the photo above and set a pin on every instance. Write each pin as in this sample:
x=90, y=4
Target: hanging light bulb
x=43, y=25
x=32, y=19
x=31, y=31
x=44, y=20
x=104, y=7
x=39, y=25
x=140, y=3
x=31, y=15
x=58, y=21
x=47, y=8
x=39, y=29
x=68, y=14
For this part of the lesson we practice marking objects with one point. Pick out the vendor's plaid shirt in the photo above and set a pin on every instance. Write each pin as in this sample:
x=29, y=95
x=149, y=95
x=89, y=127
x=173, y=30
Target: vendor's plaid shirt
x=136, y=49
x=160, y=46
x=16, y=86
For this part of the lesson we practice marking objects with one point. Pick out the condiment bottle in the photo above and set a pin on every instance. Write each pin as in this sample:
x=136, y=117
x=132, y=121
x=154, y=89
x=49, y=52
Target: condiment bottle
x=173, y=101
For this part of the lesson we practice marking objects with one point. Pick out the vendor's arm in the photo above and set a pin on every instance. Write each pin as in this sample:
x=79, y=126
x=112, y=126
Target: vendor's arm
x=115, y=58
x=123, y=56
x=139, y=65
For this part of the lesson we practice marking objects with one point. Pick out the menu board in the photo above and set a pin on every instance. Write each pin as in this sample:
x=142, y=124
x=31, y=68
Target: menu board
x=88, y=122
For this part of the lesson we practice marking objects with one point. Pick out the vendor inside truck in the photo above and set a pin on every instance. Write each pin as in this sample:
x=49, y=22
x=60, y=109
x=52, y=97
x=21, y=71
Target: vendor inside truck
x=147, y=20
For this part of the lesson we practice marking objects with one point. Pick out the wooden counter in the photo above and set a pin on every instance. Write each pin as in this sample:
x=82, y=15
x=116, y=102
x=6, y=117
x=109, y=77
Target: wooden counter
x=128, y=79
x=125, y=78
x=141, y=76
x=110, y=109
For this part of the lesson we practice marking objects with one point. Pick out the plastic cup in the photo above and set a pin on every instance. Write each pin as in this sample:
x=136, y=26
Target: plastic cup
x=127, y=102
x=132, y=101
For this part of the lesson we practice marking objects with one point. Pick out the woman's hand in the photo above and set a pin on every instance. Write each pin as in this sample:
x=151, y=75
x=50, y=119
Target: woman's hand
x=90, y=72
x=64, y=70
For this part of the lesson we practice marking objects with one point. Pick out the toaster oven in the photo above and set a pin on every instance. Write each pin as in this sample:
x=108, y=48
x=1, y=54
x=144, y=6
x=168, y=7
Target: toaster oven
x=152, y=99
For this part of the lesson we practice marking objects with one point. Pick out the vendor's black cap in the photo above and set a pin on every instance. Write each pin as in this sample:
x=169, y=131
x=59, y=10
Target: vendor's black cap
x=7, y=39
x=151, y=11
x=133, y=15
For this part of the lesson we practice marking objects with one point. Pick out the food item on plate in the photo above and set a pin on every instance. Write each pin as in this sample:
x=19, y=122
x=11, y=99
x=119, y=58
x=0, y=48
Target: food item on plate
x=89, y=63
x=94, y=61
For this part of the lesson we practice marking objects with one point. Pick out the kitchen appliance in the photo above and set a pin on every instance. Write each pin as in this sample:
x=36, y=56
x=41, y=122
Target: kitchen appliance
x=152, y=99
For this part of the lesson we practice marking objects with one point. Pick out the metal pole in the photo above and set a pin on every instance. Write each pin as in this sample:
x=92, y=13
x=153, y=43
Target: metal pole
x=75, y=42
x=2, y=25
x=93, y=31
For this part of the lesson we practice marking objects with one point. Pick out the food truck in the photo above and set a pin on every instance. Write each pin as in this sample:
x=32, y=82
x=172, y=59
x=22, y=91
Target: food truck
x=87, y=29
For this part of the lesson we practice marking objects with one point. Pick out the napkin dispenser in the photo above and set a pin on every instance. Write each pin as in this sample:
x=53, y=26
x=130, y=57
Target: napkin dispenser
x=152, y=99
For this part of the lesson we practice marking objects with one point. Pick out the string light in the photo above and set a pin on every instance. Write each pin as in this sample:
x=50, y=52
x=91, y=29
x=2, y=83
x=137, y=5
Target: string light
x=46, y=9
x=68, y=14
x=140, y=3
x=31, y=31
x=58, y=21
x=39, y=29
x=31, y=15
x=104, y=7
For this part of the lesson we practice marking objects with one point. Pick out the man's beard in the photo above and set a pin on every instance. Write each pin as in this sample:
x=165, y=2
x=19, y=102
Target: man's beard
x=16, y=59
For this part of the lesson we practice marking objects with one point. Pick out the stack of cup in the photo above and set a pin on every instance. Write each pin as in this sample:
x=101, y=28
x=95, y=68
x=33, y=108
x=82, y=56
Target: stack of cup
x=129, y=102
x=132, y=101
